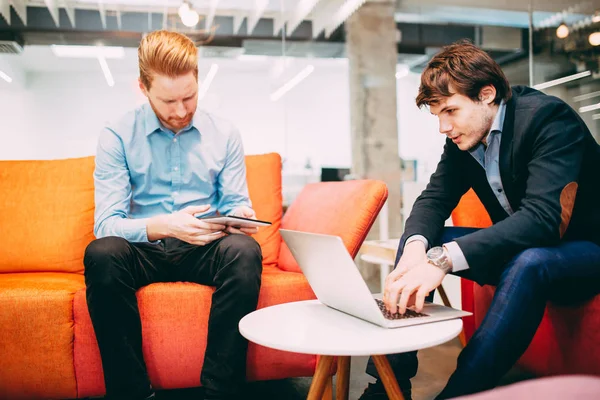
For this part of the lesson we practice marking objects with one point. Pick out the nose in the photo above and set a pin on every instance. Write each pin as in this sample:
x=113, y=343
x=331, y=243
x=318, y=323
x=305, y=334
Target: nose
x=181, y=111
x=445, y=127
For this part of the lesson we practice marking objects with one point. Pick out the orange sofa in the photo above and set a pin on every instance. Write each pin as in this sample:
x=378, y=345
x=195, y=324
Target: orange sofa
x=566, y=341
x=47, y=345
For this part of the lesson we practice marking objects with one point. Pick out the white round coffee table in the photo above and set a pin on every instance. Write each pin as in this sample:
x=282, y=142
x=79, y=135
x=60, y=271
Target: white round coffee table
x=310, y=327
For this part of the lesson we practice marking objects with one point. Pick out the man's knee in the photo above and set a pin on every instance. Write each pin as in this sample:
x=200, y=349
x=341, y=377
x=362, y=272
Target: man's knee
x=103, y=257
x=242, y=251
x=241, y=247
x=529, y=264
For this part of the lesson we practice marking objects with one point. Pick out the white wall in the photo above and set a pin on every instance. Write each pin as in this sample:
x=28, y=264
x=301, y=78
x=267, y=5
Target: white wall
x=419, y=138
x=60, y=111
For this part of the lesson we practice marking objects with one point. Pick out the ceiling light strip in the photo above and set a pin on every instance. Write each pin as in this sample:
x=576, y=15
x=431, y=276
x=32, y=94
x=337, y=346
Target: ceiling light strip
x=562, y=80
x=589, y=108
x=207, y=81
x=107, y=75
x=276, y=95
x=5, y=76
x=586, y=96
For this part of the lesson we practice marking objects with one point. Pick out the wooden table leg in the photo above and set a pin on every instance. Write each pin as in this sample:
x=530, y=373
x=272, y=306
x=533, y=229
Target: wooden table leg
x=328, y=392
x=446, y=302
x=319, y=381
x=463, y=338
x=342, y=387
x=387, y=377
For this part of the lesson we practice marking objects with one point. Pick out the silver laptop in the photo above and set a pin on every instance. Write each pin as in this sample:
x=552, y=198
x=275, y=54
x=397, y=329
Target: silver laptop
x=336, y=281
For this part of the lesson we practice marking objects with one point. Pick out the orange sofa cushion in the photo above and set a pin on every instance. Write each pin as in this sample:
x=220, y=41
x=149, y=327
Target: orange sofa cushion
x=36, y=344
x=175, y=321
x=47, y=214
x=345, y=209
x=263, y=173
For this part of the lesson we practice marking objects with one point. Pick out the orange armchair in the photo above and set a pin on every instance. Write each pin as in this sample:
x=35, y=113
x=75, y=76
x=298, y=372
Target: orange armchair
x=46, y=337
x=566, y=341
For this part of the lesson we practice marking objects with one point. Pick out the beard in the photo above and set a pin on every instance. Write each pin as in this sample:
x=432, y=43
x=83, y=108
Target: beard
x=174, y=124
x=481, y=130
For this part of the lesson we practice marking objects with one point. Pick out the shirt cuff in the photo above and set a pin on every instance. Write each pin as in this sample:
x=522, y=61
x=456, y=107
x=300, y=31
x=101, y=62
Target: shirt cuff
x=419, y=238
x=459, y=262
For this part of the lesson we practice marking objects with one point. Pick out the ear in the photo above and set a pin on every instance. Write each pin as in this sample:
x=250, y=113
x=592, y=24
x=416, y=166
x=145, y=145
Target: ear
x=487, y=94
x=143, y=87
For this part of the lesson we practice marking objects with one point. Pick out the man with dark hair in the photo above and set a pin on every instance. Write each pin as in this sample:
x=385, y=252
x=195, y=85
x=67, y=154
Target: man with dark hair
x=533, y=163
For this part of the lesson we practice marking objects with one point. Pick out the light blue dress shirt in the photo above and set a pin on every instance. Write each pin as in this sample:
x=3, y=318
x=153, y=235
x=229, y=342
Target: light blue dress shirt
x=143, y=170
x=489, y=159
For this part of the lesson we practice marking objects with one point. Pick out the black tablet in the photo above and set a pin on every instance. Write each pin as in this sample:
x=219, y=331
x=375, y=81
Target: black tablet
x=234, y=221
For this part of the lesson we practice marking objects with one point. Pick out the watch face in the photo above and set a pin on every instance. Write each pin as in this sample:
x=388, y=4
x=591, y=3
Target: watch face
x=435, y=253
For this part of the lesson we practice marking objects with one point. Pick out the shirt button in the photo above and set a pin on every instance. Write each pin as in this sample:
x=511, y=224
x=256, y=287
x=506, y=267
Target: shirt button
x=175, y=168
x=175, y=140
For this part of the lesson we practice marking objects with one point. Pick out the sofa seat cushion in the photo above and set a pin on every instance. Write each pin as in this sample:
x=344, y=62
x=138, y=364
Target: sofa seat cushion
x=174, y=322
x=36, y=344
x=566, y=341
x=47, y=214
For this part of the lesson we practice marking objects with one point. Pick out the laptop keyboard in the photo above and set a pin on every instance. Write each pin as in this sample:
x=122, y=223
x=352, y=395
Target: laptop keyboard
x=408, y=314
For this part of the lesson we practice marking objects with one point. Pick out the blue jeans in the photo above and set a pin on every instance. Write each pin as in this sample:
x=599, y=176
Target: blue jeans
x=568, y=274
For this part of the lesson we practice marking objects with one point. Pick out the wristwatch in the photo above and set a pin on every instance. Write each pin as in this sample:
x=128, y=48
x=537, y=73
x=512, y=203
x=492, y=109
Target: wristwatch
x=438, y=256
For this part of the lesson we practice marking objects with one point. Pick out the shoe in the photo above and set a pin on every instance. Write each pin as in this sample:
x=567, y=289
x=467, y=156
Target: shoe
x=376, y=391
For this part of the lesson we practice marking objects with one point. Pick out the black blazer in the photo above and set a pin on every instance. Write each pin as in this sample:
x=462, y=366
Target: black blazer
x=549, y=166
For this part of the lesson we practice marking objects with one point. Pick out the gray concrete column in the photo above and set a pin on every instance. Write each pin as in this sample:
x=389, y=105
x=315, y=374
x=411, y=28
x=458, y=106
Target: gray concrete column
x=372, y=54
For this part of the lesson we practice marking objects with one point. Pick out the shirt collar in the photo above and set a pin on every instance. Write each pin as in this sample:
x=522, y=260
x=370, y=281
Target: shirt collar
x=497, y=126
x=153, y=124
x=151, y=120
x=498, y=123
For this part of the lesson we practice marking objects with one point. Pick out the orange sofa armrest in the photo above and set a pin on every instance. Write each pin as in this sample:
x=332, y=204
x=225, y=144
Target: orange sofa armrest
x=347, y=209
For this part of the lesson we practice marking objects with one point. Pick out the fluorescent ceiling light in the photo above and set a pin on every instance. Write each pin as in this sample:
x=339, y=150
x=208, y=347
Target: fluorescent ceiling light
x=88, y=51
x=207, y=81
x=596, y=116
x=589, y=108
x=107, y=75
x=587, y=96
x=4, y=76
x=276, y=95
x=562, y=80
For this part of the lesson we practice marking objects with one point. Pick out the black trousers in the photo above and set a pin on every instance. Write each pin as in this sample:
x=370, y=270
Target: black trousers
x=115, y=269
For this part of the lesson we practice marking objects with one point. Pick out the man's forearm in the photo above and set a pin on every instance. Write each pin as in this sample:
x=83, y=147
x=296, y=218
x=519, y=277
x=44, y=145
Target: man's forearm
x=158, y=227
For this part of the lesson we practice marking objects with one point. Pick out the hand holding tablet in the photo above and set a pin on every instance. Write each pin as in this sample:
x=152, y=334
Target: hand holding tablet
x=234, y=221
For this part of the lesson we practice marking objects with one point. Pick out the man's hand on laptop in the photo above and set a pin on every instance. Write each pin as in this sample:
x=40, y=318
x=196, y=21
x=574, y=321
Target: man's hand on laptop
x=414, y=254
x=184, y=226
x=416, y=283
x=244, y=212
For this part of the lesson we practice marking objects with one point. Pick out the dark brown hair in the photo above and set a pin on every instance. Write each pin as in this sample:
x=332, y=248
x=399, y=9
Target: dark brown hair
x=466, y=69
